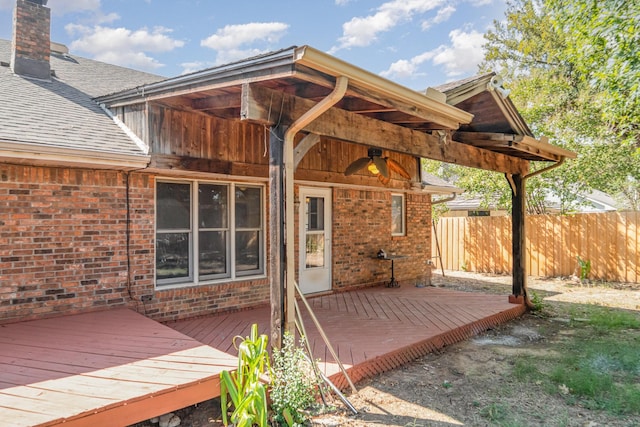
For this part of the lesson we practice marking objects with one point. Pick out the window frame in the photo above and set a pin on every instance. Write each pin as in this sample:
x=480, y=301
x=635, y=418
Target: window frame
x=403, y=214
x=194, y=278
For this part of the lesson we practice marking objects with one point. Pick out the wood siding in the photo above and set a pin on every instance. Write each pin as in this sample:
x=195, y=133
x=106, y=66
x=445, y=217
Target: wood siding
x=483, y=244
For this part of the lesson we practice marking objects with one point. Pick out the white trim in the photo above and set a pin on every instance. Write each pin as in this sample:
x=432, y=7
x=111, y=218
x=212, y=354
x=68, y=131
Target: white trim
x=403, y=215
x=140, y=143
x=231, y=273
x=59, y=156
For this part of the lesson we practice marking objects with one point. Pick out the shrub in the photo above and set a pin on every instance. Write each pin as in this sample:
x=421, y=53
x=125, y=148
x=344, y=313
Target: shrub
x=293, y=384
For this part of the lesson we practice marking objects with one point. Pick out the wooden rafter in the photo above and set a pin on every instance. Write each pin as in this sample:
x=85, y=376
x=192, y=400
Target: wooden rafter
x=526, y=146
x=261, y=105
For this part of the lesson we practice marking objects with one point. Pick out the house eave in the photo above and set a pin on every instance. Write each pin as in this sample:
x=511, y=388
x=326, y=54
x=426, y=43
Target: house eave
x=36, y=154
x=335, y=67
x=295, y=62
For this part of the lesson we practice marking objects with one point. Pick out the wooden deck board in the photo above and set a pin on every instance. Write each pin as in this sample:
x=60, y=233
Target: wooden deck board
x=372, y=330
x=105, y=368
x=94, y=368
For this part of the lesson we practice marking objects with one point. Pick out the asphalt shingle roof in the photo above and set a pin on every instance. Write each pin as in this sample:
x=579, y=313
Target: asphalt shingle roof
x=61, y=113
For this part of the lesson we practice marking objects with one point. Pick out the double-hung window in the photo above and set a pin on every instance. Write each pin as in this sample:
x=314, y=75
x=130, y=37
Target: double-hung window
x=398, y=225
x=208, y=231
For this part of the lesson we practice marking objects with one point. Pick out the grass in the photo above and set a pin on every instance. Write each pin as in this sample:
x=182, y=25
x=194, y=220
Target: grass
x=597, y=366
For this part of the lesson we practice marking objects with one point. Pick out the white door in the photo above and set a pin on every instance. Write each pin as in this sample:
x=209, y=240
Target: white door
x=315, y=240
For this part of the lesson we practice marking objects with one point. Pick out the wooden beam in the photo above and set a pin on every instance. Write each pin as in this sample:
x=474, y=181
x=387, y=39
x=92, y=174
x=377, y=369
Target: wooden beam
x=303, y=147
x=275, y=233
x=518, y=213
x=522, y=143
x=263, y=105
x=168, y=163
x=216, y=102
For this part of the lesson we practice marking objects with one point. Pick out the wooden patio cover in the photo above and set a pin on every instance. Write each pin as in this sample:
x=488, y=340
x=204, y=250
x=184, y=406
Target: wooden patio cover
x=300, y=90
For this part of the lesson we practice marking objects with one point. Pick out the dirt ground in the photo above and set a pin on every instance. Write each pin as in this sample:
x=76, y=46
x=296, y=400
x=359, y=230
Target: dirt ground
x=469, y=383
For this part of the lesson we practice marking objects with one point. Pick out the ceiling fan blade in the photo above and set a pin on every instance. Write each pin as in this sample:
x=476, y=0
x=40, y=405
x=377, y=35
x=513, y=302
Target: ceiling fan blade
x=381, y=164
x=397, y=168
x=357, y=165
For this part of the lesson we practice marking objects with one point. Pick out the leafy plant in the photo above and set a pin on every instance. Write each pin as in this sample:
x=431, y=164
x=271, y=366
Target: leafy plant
x=243, y=390
x=293, y=387
x=584, y=265
x=537, y=301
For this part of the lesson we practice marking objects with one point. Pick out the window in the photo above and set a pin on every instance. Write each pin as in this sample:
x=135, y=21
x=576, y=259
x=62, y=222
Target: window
x=208, y=231
x=397, y=215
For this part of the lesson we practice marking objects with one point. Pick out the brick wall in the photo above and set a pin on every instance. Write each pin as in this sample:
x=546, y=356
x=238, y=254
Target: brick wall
x=62, y=241
x=63, y=248
x=68, y=244
x=362, y=226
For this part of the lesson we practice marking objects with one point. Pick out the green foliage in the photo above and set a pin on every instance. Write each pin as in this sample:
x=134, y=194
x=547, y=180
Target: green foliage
x=242, y=390
x=610, y=320
x=584, y=267
x=573, y=69
x=293, y=387
x=537, y=301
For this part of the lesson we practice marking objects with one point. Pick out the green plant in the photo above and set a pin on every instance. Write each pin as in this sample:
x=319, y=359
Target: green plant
x=596, y=366
x=584, y=265
x=243, y=390
x=537, y=301
x=525, y=369
x=608, y=319
x=293, y=384
x=494, y=412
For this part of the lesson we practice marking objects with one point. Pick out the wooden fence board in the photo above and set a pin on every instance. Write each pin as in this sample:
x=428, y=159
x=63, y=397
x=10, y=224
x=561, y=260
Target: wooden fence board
x=483, y=244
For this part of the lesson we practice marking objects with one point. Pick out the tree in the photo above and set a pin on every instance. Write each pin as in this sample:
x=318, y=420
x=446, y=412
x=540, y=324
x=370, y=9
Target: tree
x=574, y=73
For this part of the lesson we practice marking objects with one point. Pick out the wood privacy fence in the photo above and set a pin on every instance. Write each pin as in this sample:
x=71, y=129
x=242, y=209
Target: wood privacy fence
x=483, y=244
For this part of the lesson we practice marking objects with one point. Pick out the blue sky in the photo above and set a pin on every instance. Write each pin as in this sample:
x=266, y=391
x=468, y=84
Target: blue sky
x=416, y=43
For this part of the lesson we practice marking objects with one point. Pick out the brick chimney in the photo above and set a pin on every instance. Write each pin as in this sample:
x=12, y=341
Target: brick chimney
x=30, y=46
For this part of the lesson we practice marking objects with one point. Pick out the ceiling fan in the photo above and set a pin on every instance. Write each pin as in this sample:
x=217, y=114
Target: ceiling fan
x=377, y=165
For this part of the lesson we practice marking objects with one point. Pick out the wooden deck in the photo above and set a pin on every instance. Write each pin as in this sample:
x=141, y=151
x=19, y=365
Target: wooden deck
x=117, y=367
x=109, y=368
x=372, y=330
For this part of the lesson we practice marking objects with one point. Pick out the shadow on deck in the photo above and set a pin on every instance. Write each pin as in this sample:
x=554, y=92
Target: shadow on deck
x=118, y=367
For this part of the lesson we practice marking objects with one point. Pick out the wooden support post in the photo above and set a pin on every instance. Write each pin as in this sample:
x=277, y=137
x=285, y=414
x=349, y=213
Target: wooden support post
x=518, y=213
x=275, y=234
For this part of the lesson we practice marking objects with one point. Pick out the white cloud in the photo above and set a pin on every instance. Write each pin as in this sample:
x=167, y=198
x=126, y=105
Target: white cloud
x=123, y=46
x=407, y=68
x=463, y=54
x=229, y=41
x=443, y=15
x=362, y=31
